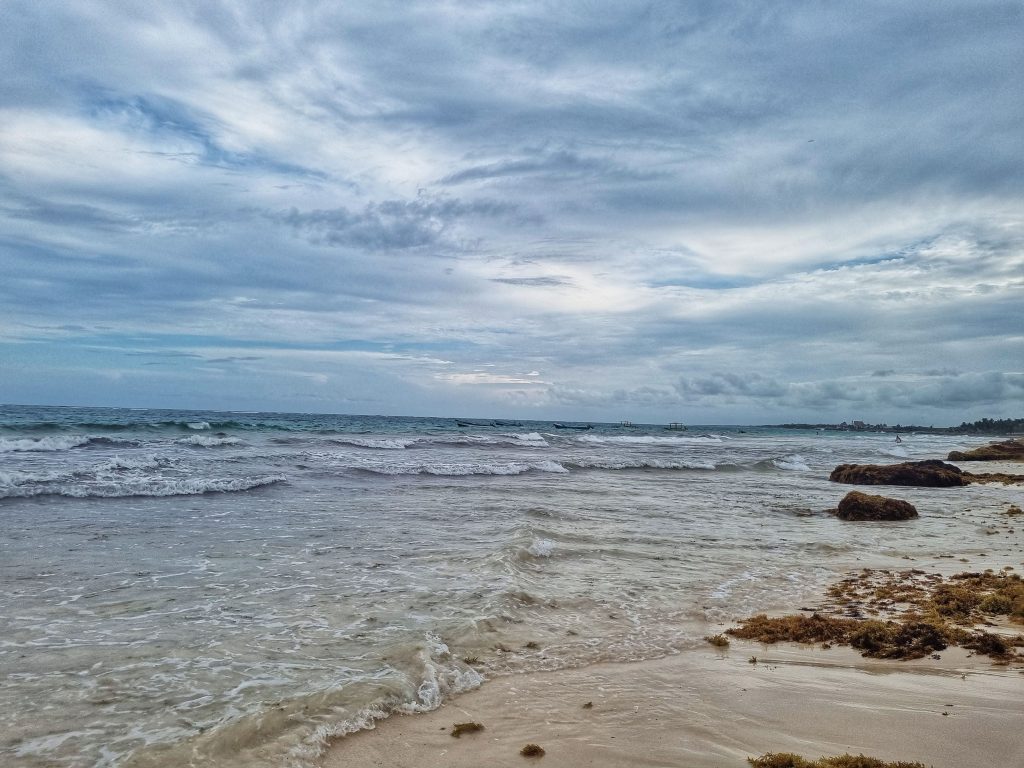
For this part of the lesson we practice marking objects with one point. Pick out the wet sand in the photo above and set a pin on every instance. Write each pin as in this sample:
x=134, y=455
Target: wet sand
x=707, y=708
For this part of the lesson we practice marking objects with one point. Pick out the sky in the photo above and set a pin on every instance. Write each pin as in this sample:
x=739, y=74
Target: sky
x=708, y=212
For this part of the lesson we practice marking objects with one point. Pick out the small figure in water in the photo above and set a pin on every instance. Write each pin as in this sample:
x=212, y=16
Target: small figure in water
x=898, y=439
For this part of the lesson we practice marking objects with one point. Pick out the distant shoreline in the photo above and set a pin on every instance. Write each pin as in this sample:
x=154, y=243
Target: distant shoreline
x=1015, y=428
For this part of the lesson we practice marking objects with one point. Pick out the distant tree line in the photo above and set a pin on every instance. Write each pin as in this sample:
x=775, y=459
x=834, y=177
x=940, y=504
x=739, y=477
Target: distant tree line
x=980, y=427
x=992, y=426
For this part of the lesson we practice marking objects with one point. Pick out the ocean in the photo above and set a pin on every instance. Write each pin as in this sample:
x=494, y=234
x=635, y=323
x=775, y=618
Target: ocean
x=227, y=589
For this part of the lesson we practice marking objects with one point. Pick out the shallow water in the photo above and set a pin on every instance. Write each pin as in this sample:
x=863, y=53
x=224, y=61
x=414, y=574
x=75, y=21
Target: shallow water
x=218, y=589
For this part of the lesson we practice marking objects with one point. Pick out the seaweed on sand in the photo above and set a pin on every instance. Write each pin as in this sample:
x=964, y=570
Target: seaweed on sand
x=800, y=629
x=789, y=760
x=924, y=614
x=532, y=750
x=460, y=728
x=719, y=641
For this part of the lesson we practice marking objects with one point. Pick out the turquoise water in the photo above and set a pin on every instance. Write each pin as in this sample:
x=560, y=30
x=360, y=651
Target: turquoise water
x=200, y=588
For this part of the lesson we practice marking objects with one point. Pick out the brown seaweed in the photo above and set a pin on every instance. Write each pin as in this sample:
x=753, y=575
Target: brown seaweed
x=789, y=760
x=460, y=728
x=913, y=614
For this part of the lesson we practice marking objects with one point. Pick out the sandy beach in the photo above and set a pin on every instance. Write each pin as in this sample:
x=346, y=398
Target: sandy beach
x=706, y=708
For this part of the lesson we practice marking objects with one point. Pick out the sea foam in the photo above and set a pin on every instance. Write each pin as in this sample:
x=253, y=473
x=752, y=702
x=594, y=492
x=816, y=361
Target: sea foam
x=50, y=443
x=649, y=440
x=206, y=441
x=453, y=469
x=795, y=462
x=142, y=487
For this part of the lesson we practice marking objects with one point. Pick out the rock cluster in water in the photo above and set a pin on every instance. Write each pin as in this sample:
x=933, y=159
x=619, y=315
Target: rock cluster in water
x=1009, y=450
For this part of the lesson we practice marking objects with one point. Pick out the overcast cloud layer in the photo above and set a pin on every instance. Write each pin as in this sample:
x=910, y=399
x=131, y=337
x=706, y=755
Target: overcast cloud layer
x=700, y=211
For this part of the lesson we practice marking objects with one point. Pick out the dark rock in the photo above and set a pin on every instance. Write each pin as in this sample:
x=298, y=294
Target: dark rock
x=1009, y=450
x=862, y=506
x=926, y=474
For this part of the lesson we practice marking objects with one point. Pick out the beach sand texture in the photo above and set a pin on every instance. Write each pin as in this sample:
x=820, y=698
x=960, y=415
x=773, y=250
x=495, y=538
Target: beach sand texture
x=705, y=708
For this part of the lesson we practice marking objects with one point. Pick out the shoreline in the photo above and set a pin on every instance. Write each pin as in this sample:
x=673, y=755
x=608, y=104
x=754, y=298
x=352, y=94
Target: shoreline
x=706, y=708
x=712, y=708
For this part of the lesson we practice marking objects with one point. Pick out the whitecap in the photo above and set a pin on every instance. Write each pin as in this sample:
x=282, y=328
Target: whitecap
x=50, y=443
x=527, y=438
x=541, y=547
x=648, y=440
x=452, y=469
x=205, y=441
x=9, y=479
x=119, y=463
x=145, y=487
x=389, y=444
x=795, y=462
x=650, y=463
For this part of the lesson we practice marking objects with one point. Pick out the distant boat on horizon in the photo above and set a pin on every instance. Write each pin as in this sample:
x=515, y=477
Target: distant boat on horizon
x=492, y=423
x=572, y=426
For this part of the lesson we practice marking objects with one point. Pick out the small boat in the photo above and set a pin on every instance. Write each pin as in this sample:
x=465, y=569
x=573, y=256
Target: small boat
x=474, y=423
x=572, y=426
x=675, y=426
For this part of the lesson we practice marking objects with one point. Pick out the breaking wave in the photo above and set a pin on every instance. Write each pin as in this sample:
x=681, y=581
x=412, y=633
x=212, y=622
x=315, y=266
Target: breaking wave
x=388, y=444
x=206, y=441
x=649, y=463
x=57, y=443
x=649, y=440
x=528, y=440
x=128, y=463
x=464, y=469
x=297, y=731
x=795, y=462
x=139, y=487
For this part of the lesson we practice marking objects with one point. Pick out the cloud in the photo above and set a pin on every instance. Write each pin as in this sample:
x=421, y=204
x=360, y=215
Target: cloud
x=926, y=390
x=694, y=211
x=389, y=225
x=730, y=385
x=533, y=282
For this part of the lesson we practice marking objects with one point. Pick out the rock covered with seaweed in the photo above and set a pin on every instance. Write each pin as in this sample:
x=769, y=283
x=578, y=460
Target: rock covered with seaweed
x=930, y=473
x=863, y=506
x=1008, y=450
x=927, y=474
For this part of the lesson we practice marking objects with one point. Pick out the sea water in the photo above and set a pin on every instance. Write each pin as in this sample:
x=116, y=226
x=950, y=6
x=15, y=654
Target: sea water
x=219, y=589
